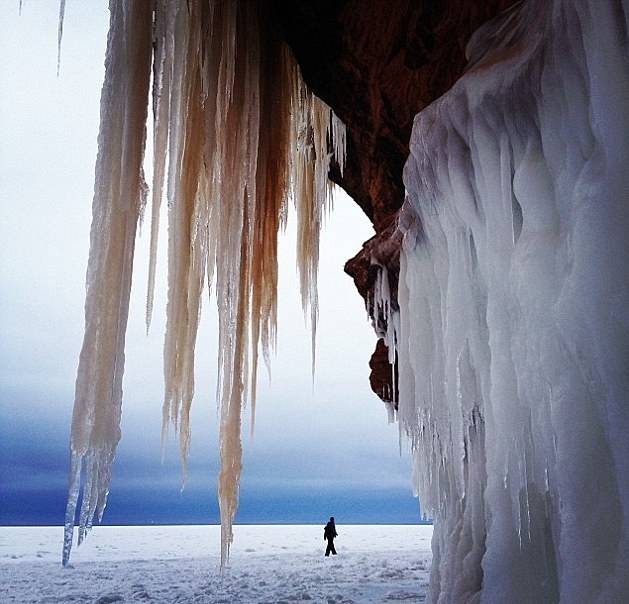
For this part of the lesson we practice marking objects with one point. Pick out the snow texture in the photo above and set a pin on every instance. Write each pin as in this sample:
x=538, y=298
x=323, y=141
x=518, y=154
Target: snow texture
x=168, y=564
x=513, y=336
x=236, y=132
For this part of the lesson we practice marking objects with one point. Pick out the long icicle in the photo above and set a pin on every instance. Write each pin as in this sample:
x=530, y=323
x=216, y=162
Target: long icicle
x=62, y=11
x=162, y=76
x=118, y=197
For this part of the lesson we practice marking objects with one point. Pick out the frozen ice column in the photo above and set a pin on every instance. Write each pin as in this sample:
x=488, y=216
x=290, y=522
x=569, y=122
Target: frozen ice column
x=514, y=310
x=119, y=195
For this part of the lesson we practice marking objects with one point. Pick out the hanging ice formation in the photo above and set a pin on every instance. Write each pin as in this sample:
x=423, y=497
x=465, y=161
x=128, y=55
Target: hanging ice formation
x=513, y=334
x=385, y=317
x=236, y=132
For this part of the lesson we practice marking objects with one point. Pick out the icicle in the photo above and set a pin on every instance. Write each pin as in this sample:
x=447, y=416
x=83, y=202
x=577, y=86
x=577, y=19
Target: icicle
x=242, y=73
x=514, y=306
x=188, y=220
x=117, y=200
x=242, y=132
x=313, y=126
x=62, y=10
x=162, y=74
x=388, y=328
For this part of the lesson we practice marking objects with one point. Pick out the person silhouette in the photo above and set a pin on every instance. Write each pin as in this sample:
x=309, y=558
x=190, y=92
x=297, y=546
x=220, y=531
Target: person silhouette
x=329, y=533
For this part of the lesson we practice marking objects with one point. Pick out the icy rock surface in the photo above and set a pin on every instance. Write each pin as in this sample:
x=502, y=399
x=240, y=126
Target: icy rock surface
x=236, y=133
x=513, y=337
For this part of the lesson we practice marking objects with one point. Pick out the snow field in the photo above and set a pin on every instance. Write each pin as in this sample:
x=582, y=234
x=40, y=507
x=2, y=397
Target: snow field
x=269, y=564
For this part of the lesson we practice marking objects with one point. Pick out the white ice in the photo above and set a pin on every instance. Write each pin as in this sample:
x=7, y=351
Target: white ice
x=166, y=564
x=513, y=335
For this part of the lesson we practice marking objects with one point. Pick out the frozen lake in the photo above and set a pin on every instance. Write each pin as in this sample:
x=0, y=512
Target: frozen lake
x=270, y=564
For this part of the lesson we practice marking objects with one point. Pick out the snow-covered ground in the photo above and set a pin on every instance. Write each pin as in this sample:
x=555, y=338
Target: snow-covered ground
x=270, y=564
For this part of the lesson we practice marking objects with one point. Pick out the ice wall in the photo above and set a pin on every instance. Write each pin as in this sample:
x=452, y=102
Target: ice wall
x=236, y=133
x=513, y=339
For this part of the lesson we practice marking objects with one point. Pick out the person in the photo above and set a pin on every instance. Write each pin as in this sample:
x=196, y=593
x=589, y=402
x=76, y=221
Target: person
x=329, y=533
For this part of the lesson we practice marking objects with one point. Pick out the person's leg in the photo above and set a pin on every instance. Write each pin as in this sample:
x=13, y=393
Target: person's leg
x=332, y=548
x=327, y=549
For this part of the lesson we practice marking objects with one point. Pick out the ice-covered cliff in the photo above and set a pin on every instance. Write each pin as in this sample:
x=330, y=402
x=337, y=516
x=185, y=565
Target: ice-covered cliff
x=509, y=322
x=513, y=336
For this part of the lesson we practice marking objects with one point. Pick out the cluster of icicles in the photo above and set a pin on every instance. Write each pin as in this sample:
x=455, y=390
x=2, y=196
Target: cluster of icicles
x=236, y=134
x=513, y=326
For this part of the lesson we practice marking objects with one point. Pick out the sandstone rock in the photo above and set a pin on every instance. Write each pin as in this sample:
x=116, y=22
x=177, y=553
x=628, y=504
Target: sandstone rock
x=377, y=65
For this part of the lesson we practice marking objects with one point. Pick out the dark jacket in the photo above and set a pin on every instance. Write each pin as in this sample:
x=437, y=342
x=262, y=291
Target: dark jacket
x=329, y=532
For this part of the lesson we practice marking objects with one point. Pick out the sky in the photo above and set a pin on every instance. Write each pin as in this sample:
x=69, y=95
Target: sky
x=317, y=450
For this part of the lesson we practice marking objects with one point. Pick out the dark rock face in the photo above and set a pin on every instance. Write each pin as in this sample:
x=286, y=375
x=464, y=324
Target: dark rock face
x=383, y=376
x=377, y=64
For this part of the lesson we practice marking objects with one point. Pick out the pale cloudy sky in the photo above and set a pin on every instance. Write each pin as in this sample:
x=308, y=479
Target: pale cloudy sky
x=314, y=448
